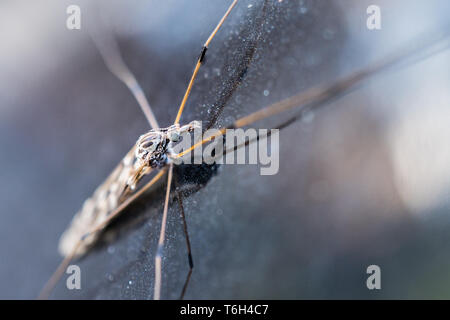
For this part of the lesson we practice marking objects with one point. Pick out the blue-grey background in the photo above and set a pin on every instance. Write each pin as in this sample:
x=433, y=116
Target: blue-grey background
x=364, y=181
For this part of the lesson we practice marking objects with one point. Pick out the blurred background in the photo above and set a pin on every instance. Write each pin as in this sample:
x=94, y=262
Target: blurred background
x=364, y=181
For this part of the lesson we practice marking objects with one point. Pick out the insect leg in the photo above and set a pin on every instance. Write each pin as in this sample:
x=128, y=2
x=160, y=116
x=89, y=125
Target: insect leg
x=199, y=62
x=188, y=244
x=320, y=95
x=162, y=235
x=51, y=283
x=109, y=50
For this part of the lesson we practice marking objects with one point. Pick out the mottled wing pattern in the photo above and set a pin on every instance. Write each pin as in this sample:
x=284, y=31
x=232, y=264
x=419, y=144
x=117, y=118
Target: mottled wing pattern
x=97, y=208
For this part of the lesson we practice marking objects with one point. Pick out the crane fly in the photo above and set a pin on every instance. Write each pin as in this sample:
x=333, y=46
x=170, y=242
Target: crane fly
x=153, y=155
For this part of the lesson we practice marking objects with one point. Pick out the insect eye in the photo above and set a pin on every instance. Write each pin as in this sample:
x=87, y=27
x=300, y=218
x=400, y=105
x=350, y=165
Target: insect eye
x=152, y=145
x=147, y=144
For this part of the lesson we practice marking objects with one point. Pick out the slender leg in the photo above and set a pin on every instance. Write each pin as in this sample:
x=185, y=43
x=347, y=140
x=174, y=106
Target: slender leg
x=188, y=244
x=51, y=283
x=162, y=236
x=109, y=50
x=318, y=96
x=199, y=62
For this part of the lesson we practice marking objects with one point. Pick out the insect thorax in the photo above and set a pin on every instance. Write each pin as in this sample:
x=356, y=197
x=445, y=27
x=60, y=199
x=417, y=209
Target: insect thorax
x=154, y=148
